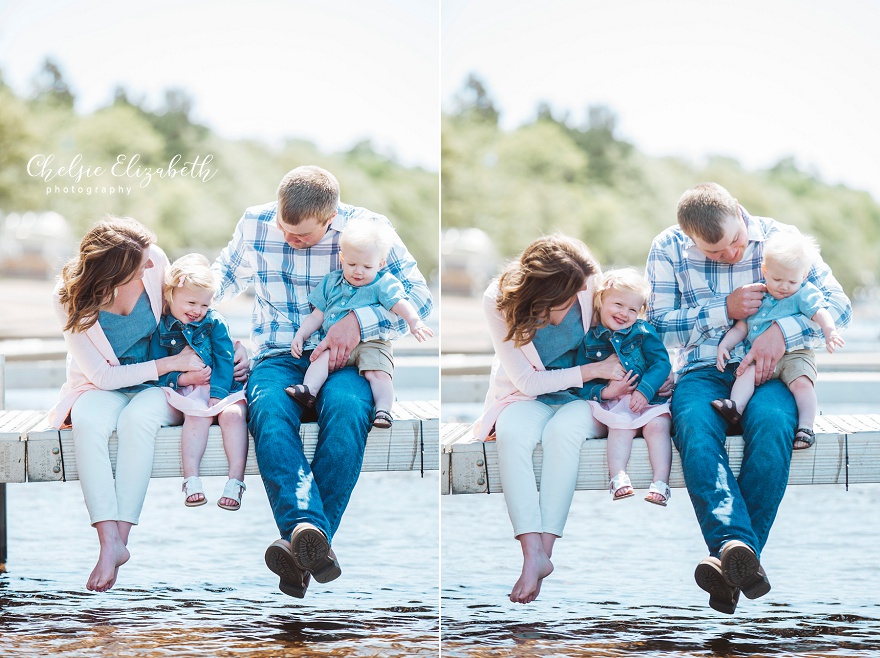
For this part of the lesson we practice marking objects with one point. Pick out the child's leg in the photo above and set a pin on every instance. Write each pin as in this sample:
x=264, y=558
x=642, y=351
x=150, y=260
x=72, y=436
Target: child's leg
x=317, y=373
x=233, y=428
x=805, y=398
x=383, y=388
x=743, y=389
x=619, y=448
x=657, y=437
x=193, y=440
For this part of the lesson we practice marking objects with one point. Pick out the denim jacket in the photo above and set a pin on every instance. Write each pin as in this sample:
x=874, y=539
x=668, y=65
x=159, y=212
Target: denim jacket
x=638, y=348
x=209, y=337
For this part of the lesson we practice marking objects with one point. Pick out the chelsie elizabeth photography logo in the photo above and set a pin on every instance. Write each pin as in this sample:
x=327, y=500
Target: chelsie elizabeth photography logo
x=76, y=178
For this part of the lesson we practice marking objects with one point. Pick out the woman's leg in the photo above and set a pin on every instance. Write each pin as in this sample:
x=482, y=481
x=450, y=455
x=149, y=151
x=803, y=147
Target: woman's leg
x=137, y=427
x=562, y=439
x=94, y=417
x=233, y=427
x=518, y=431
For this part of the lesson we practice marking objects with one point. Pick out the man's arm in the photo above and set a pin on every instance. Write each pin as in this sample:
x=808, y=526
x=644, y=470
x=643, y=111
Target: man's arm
x=233, y=267
x=679, y=322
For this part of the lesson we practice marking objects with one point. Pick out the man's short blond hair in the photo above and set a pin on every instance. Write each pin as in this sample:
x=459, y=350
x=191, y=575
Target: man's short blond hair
x=307, y=192
x=702, y=210
x=791, y=249
x=366, y=234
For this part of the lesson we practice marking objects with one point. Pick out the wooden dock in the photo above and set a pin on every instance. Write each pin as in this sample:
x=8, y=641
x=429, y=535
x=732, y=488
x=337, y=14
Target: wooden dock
x=30, y=451
x=847, y=451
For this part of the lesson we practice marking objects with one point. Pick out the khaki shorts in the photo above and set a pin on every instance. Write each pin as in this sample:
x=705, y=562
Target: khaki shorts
x=799, y=363
x=372, y=355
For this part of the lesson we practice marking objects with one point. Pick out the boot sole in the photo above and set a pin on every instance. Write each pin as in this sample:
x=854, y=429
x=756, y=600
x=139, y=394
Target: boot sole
x=741, y=568
x=311, y=552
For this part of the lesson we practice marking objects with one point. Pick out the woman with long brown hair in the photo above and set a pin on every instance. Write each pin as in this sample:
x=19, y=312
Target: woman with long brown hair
x=538, y=312
x=109, y=300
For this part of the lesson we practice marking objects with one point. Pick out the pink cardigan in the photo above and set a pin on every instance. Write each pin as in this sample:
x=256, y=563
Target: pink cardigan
x=517, y=372
x=91, y=363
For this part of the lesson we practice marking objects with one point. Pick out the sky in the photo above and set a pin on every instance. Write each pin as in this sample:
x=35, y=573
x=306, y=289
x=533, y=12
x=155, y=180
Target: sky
x=334, y=72
x=756, y=80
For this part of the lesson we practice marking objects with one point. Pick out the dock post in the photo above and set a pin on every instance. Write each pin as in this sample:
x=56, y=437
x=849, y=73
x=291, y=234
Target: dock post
x=3, y=485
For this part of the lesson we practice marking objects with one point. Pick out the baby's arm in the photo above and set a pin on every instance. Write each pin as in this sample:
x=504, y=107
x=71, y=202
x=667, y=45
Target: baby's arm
x=310, y=324
x=826, y=322
x=407, y=311
x=734, y=336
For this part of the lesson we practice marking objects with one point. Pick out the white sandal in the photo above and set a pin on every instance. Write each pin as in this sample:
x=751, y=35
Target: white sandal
x=192, y=486
x=233, y=489
x=661, y=488
x=618, y=482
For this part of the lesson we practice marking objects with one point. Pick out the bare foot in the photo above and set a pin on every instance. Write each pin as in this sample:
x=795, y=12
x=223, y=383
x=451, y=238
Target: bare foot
x=112, y=556
x=534, y=570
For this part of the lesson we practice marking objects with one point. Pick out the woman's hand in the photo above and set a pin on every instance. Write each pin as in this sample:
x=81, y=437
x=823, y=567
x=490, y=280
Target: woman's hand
x=609, y=369
x=619, y=387
x=185, y=361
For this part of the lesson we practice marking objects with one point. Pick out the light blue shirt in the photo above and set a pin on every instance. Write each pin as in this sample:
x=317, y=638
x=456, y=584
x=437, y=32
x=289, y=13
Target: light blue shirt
x=806, y=301
x=129, y=335
x=335, y=296
x=558, y=348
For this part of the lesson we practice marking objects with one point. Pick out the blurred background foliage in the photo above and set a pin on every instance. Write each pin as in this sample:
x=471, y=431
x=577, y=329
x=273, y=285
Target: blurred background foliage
x=579, y=177
x=187, y=214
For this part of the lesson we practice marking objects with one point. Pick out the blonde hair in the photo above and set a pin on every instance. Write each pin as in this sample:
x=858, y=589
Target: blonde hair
x=790, y=248
x=192, y=271
x=702, y=210
x=109, y=255
x=548, y=274
x=366, y=234
x=307, y=192
x=625, y=279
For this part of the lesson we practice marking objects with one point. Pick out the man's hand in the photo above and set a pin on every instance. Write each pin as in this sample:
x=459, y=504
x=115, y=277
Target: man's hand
x=745, y=301
x=667, y=387
x=242, y=365
x=766, y=351
x=340, y=340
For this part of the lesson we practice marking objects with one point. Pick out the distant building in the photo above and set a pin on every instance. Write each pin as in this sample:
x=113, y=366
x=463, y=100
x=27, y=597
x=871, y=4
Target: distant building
x=468, y=261
x=34, y=244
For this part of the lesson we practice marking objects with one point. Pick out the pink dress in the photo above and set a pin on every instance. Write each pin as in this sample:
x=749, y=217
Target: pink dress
x=616, y=414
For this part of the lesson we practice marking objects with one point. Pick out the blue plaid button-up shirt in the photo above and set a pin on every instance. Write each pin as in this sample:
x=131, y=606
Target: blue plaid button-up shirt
x=283, y=277
x=688, y=301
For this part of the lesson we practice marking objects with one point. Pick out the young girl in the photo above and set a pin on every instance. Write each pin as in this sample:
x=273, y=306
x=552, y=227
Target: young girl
x=631, y=404
x=363, y=247
x=788, y=257
x=201, y=395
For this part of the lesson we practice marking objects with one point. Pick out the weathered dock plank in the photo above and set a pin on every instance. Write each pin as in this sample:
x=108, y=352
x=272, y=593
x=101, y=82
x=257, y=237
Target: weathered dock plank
x=411, y=444
x=847, y=450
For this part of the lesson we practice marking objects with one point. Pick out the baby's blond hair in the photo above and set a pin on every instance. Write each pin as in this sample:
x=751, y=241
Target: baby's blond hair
x=625, y=279
x=791, y=249
x=192, y=271
x=367, y=235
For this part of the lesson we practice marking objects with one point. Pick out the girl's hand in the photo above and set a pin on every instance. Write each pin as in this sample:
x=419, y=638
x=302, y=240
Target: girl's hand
x=421, y=331
x=722, y=358
x=619, y=387
x=199, y=377
x=638, y=402
x=296, y=347
x=213, y=401
x=832, y=340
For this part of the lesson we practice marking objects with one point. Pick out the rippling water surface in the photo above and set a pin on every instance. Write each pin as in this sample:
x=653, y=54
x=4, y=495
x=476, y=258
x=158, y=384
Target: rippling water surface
x=624, y=585
x=196, y=584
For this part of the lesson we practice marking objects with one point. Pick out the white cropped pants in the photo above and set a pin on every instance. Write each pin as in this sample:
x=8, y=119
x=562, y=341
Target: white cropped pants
x=561, y=429
x=136, y=417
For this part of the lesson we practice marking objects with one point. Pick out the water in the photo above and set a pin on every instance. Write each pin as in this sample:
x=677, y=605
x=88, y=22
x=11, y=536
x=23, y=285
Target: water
x=624, y=584
x=196, y=584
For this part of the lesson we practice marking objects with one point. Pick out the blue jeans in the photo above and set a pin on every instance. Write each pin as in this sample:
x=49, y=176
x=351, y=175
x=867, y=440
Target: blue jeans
x=300, y=492
x=728, y=508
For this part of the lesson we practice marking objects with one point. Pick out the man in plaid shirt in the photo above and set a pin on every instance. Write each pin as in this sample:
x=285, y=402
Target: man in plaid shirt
x=705, y=273
x=284, y=248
